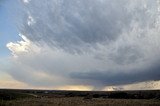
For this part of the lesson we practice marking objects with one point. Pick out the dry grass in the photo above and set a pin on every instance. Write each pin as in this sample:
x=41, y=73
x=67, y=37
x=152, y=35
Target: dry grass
x=76, y=98
x=79, y=101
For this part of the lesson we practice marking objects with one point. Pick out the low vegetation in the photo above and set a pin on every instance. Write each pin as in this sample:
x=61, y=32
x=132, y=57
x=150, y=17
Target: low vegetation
x=78, y=98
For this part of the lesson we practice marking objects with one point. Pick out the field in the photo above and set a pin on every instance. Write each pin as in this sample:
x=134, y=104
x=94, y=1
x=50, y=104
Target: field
x=78, y=98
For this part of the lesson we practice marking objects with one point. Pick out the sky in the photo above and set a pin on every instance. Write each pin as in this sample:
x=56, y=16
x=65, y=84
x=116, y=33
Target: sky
x=80, y=45
x=7, y=28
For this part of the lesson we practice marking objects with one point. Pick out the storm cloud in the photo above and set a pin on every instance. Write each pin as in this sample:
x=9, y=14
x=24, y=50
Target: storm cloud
x=112, y=42
x=121, y=78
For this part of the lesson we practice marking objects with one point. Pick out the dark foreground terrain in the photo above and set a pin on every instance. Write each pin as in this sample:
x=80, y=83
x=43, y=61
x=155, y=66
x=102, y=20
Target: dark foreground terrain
x=78, y=98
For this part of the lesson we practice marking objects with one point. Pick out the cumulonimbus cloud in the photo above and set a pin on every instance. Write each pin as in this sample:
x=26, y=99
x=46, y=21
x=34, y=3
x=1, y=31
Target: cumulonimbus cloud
x=85, y=42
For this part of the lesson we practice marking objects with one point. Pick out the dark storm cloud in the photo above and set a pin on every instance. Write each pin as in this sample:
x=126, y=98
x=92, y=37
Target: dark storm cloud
x=120, y=77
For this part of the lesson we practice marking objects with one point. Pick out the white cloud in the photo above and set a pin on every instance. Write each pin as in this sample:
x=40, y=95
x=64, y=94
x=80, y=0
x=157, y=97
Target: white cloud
x=149, y=85
x=30, y=20
x=23, y=46
x=26, y=1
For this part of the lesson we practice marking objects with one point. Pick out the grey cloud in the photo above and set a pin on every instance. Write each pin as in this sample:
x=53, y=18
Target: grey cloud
x=120, y=77
x=89, y=41
x=73, y=25
x=35, y=77
x=126, y=55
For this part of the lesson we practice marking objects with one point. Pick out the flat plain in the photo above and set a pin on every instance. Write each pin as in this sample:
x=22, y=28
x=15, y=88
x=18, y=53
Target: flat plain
x=15, y=97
